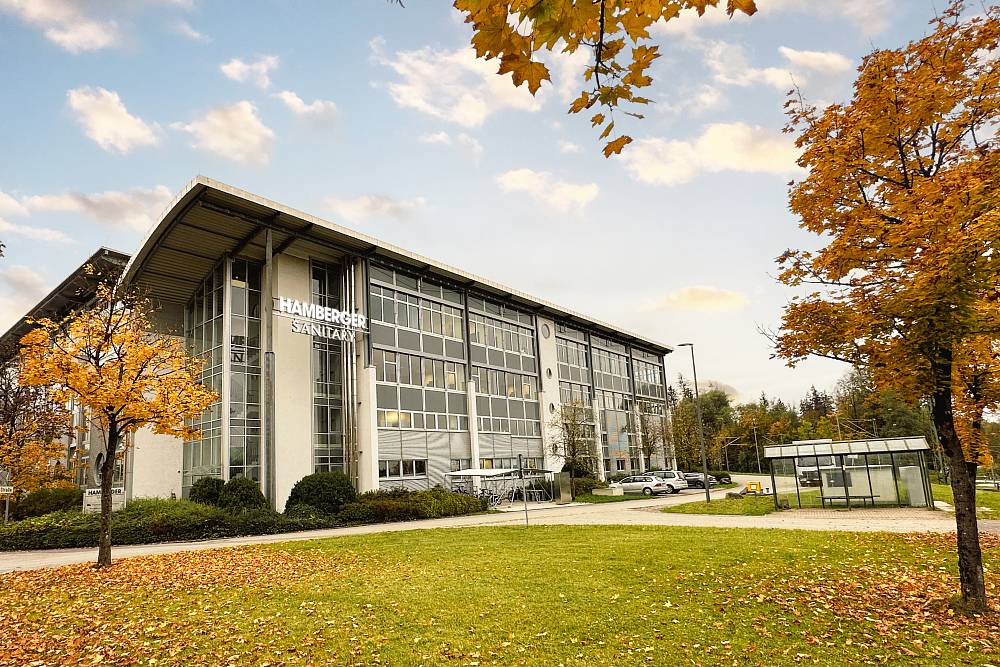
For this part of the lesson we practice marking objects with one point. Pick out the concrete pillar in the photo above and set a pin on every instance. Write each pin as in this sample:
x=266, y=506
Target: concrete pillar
x=470, y=389
x=638, y=440
x=367, y=431
x=602, y=474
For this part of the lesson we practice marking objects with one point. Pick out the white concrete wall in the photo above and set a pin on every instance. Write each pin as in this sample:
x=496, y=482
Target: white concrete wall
x=293, y=424
x=549, y=389
x=154, y=470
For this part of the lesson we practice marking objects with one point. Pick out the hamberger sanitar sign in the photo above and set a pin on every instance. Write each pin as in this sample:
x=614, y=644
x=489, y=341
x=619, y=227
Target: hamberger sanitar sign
x=322, y=321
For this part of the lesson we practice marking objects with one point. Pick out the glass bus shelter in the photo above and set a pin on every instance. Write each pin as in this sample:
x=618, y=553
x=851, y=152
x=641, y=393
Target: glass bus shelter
x=851, y=473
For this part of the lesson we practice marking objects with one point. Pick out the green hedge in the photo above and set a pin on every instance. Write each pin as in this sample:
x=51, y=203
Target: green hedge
x=46, y=501
x=328, y=492
x=401, y=505
x=149, y=521
x=587, y=484
x=206, y=490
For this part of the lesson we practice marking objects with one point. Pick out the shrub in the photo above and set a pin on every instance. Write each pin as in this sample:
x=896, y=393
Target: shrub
x=151, y=520
x=721, y=476
x=401, y=505
x=206, y=491
x=304, y=511
x=46, y=501
x=241, y=494
x=328, y=492
x=587, y=484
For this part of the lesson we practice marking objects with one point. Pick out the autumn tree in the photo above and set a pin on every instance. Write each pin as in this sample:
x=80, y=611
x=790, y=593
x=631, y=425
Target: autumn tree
x=110, y=359
x=32, y=422
x=616, y=33
x=573, y=439
x=652, y=429
x=902, y=186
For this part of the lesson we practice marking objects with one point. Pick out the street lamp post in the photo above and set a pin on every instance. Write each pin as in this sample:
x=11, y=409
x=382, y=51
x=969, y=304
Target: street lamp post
x=701, y=428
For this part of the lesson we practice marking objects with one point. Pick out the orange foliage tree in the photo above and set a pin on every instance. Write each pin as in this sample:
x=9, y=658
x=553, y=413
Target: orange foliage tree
x=903, y=186
x=31, y=424
x=616, y=32
x=111, y=360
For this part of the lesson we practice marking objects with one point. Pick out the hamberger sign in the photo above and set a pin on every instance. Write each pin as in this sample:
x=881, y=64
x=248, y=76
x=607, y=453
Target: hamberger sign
x=322, y=321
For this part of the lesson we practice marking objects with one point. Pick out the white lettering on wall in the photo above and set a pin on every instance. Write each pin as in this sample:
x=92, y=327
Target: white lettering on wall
x=343, y=324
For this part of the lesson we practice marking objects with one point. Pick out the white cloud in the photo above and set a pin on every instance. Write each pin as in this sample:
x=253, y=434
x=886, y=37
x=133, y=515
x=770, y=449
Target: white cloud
x=82, y=25
x=25, y=287
x=560, y=195
x=136, y=209
x=34, y=233
x=11, y=206
x=66, y=23
x=361, y=209
x=466, y=143
x=567, y=72
x=106, y=120
x=701, y=298
x=871, y=17
x=23, y=279
x=322, y=111
x=730, y=66
x=435, y=138
x=185, y=29
x=824, y=62
x=720, y=147
x=257, y=73
x=232, y=131
x=695, y=102
x=568, y=147
x=451, y=85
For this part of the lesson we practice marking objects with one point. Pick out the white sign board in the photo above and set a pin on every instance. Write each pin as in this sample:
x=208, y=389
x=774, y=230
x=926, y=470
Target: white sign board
x=6, y=490
x=313, y=319
x=92, y=500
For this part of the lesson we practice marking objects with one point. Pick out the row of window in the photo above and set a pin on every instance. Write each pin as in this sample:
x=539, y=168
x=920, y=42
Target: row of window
x=648, y=378
x=388, y=276
x=412, y=312
x=574, y=394
x=402, y=468
x=501, y=383
x=409, y=369
x=510, y=462
x=421, y=421
x=501, y=335
x=524, y=427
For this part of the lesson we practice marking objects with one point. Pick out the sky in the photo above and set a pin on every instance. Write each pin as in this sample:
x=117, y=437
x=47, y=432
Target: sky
x=378, y=117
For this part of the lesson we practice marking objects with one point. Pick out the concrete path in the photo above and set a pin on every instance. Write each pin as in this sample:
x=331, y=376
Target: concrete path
x=635, y=512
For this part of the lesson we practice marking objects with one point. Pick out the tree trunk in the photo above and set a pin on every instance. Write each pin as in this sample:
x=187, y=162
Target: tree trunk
x=107, y=477
x=963, y=486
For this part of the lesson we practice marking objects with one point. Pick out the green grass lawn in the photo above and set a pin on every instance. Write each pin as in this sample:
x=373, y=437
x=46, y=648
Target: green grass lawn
x=748, y=506
x=559, y=595
x=987, y=499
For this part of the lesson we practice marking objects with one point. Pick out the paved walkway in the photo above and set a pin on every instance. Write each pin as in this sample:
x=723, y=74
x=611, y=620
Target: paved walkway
x=635, y=512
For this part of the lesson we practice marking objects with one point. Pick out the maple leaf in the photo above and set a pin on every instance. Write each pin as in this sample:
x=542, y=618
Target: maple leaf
x=524, y=70
x=615, y=146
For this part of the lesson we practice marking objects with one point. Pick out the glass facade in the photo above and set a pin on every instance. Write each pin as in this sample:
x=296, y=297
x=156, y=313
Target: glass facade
x=327, y=374
x=203, y=332
x=244, y=370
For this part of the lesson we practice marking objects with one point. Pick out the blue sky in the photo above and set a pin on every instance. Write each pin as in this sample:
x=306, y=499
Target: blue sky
x=377, y=117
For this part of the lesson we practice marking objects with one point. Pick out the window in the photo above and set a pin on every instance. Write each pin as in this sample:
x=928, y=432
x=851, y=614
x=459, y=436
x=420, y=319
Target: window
x=328, y=429
x=402, y=468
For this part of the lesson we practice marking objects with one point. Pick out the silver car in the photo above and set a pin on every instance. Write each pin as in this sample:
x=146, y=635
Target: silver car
x=675, y=479
x=647, y=485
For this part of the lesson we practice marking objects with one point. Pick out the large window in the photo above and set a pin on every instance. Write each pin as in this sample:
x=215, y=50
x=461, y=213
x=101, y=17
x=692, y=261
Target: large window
x=506, y=402
x=245, y=370
x=648, y=378
x=327, y=360
x=203, y=331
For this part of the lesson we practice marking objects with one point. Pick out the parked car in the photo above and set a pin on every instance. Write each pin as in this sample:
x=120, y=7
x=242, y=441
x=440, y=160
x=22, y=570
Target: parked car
x=673, y=478
x=696, y=480
x=648, y=485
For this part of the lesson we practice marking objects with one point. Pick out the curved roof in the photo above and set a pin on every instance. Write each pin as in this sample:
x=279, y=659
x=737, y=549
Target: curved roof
x=209, y=219
x=850, y=447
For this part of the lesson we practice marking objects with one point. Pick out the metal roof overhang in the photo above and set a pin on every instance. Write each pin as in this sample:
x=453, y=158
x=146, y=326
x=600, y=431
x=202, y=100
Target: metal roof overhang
x=209, y=219
x=76, y=290
x=849, y=447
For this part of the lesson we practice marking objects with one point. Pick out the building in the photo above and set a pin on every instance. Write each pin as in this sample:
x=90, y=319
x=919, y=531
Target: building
x=332, y=350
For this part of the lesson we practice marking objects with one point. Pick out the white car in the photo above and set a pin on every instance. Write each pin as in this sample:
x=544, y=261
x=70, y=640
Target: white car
x=647, y=485
x=674, y=478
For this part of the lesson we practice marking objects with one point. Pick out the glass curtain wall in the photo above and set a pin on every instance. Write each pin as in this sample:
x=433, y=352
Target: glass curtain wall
x=327, y=374
x=650, y=394
x=613, y=397
x=245, y=370
x=203, y=332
